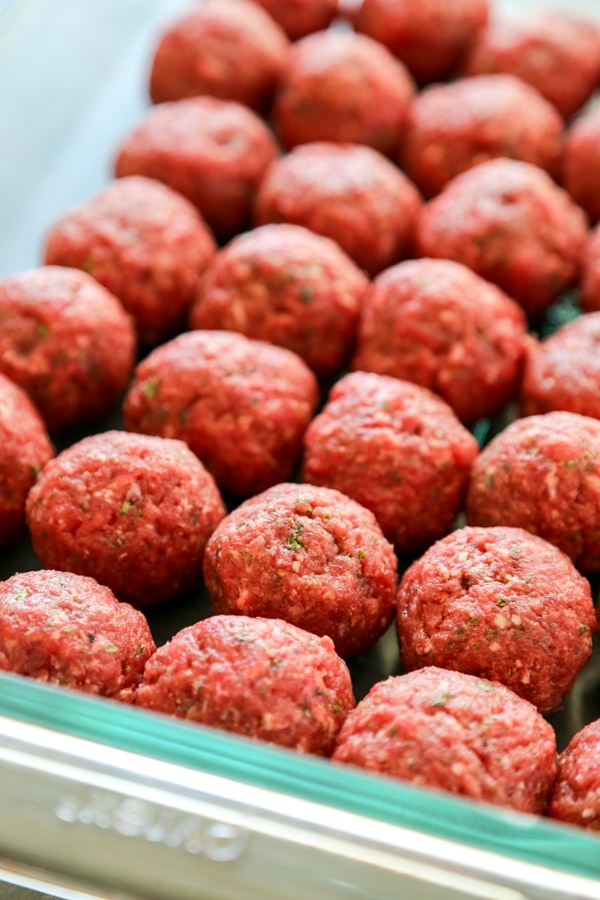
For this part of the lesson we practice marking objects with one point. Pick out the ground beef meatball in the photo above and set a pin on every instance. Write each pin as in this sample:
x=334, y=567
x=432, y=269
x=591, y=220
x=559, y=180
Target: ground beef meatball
x=211, y=151
x=24, y=449
x=581, y=162
x=502, y=604
x=145, y=243
x=308, y=555
x=289, y=286
x=67, y=341
x=511, y=224
x=453, y=127
x=230, y=49
x=430, y=36
x=553, y=50
x=563, y=372
x=301, y=17
x=242, y=406
x=437, y=324
x=454, y=732
x=398, y=450
x=349, y=193
x=263, y=678
x=69, y=630
x=343, y=87
x=590, y=276
x=575, y=798
x=542, y=474
x=132, y=511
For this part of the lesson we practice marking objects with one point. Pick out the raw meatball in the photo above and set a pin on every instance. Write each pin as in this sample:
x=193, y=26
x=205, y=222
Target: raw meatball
x=289, y=286
x=211, y=151
x=429, y=36
x=456, y=733
x=132, y=511
x=395, y=448
x=502, y=604
x=69, y=630
x=575, y=798
x=226, y=48
x=590, y=276
x=145, y=243
x=263, y=678
x=542, y=474
x=301, y=17
x=24, y=449
x=310, y=556
x=67, y=341
x=511, y=224
x=553, y=50
x=581, y=162
x=437, y=324
x=346, y=192
x=563, y=372
x=242, y=406
x=342, y=87
x=453, y=127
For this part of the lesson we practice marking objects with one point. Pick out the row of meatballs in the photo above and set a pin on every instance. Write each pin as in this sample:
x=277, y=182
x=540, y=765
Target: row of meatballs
x=268, y=679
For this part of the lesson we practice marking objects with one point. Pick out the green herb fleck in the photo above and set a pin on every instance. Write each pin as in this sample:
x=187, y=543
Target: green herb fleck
x=294, y=542
x=583, y=629
x=21, y=594
x=393, y=732
x=306, y=708
x=442, y=700
x=570, y=463
x=91, y=637
x=151, y=388
x=361, y=554
x=67, y=629
x=488, y=480
x=502, y=601
x=126, y=506
x=306, y=293
x=88, y=265
x=473, y=622
x=111, y=648
x=34, y=471
x=276, y=663
x=41, y=332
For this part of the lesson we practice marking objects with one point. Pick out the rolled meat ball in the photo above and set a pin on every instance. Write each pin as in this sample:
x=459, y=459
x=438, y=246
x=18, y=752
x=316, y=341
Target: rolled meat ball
x=342, y=87
x=431, y=37
x=68, y=630
x=554, y=50
x=581, y=162
x=541, y=474
x=436, y=323
x=25, y=448
x=562, y=372
x=398, y=450
x=286, y=285
x=455, y=733
x=132, y=511
x=301, y=17
x=346, y=192
x=229, y=49
x=67, y=341
x=575, y=797
x=502, y=604
x=212, y=151
x=510, y=223
x=453, y=127
x=310, y=556
x=241, y=406
x=262, y=678
x=145, y=243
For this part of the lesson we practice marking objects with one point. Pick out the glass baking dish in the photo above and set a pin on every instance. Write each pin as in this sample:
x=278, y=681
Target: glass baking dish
x=104, y=801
